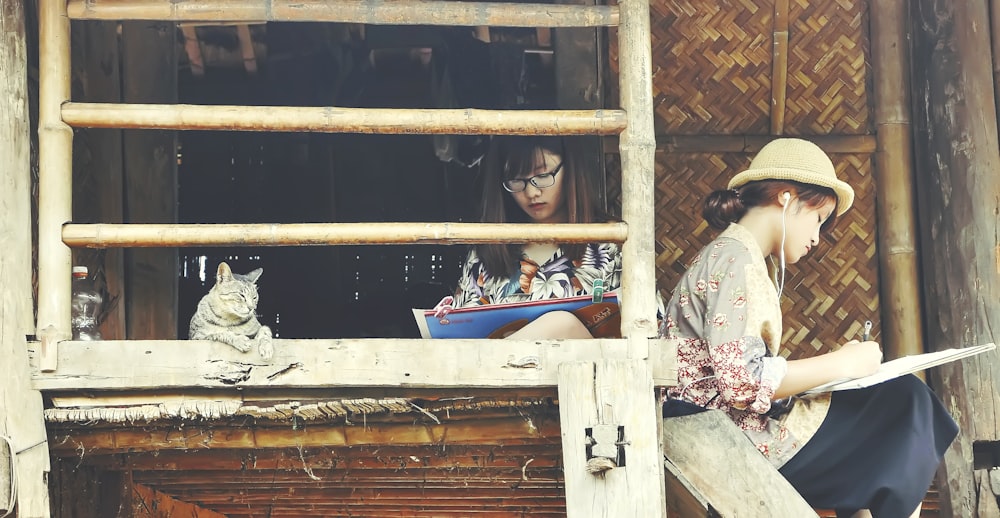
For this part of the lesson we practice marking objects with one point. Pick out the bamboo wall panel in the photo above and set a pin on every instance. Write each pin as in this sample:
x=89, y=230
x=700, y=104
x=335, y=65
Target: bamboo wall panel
x=828, y=50
x=827, y=294
x=711, y=66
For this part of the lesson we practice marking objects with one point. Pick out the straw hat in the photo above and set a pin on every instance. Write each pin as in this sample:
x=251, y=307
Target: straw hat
x=796, y=160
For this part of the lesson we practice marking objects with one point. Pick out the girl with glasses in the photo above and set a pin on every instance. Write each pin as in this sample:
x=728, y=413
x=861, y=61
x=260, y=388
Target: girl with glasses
x=536, y=179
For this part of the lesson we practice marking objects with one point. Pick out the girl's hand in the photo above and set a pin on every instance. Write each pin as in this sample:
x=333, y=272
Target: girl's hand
x=858, y=359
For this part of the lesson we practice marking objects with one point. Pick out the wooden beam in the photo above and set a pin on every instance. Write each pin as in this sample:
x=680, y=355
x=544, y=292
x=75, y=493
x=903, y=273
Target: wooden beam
x=702, y=446
x=956, y=160
x=344, y=120
x=901, y=298
x=372, y=12
x=20, y=406
x=150, y=503
x=246, y=48
x=611, y=393
x=525, y=458
x=779, y=66
x=155, y=364
x=193, y=49
x=98, y=183
x=215, y=436
x=150, y=171
x=272, y=234
x=750, y=144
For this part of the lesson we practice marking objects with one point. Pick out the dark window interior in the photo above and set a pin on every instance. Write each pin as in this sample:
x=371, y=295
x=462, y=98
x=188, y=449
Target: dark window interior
x=254, y=177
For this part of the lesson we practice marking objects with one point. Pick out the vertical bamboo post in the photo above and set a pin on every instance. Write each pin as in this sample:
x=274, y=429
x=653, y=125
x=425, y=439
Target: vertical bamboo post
x=902, y=326
x=21, y=417
x=55, y=177
x=638, y=146
x=779, y=66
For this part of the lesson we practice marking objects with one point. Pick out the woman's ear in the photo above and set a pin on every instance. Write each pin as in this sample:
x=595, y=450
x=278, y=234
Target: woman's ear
x=785, y=197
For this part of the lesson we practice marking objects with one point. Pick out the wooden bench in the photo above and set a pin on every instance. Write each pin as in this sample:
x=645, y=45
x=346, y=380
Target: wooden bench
x=713, y=470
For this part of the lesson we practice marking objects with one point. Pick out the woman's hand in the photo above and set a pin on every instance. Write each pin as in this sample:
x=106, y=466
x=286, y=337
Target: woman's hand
x=854, y=360
x=858, y=359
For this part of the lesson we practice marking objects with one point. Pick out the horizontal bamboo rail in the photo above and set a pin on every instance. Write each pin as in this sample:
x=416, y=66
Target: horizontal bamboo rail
x=268, y=234
x=377, y=12
x=343, y=120
x=861, y=144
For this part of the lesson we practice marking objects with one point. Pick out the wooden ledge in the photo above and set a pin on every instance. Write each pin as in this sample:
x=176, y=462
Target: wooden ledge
x=189, y=364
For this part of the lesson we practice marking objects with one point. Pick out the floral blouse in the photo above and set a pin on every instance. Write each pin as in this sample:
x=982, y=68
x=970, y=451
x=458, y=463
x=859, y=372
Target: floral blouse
x=726, y=315
x=558, y=277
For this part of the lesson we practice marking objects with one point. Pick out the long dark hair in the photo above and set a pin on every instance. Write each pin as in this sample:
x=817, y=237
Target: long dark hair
x=729, y=206
x=513, y=156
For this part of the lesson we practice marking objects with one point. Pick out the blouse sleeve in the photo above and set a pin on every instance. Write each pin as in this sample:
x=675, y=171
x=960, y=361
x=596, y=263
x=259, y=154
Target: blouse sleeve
x=747, y=375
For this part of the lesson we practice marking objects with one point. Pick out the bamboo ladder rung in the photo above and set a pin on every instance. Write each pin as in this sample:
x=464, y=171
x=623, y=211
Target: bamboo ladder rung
x=377, y=12
x=344, y=120
x=174, y=235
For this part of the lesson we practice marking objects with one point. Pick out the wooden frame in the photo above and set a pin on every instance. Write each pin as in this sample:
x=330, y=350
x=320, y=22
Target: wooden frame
x=188, y=364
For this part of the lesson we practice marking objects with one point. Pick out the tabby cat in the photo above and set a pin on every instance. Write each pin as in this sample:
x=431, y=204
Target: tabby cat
x=227, y=313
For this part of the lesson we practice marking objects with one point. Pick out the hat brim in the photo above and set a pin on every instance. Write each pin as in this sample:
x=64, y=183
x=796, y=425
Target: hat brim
x=844, y=192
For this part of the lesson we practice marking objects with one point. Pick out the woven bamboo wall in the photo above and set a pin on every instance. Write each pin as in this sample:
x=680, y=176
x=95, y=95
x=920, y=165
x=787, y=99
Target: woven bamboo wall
x=712, y=69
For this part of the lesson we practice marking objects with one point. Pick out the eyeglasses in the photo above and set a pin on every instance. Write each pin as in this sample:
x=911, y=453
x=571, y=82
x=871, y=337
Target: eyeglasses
x=539, y=180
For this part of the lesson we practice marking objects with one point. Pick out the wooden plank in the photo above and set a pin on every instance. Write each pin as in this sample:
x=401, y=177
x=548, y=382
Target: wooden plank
x=246, y=48
x=375, y=12
x=97, y=164
x=718, y=461
x=193, y=49
x=149, y=71
x=779, y=66
x=956, y=158
x=20, y=406
x=524, y=458
x=901, y=325
x=579, y=85
x=219, y=437
x=270, y=234
x=464, y=121
x=150, y=503
x=155, y=364
x=616, y=393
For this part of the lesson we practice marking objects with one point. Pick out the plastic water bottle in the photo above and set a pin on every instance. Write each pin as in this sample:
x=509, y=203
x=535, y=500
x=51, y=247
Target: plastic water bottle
x=86, y=305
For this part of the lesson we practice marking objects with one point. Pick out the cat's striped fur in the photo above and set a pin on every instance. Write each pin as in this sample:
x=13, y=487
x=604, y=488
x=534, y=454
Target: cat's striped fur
x=227, y=313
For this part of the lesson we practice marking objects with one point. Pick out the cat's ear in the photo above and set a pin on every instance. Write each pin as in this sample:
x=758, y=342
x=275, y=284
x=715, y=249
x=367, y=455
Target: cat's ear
x=224, y=273
x=254, y=275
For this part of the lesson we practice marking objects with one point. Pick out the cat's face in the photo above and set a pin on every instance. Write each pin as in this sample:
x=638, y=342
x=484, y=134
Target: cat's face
x=236, y=294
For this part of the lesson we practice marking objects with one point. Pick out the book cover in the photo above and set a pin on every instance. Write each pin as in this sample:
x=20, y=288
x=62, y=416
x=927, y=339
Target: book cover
x=901, y=366
x=483, y=321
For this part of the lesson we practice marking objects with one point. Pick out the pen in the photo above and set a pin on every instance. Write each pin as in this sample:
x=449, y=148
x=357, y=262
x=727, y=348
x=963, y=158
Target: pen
x=867, y=334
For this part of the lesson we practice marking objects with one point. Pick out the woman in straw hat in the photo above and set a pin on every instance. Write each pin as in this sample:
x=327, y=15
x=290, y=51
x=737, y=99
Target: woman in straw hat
x=858, y=450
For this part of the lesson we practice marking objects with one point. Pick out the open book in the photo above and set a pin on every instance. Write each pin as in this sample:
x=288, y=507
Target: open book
x=491, y=319
x=901, y=366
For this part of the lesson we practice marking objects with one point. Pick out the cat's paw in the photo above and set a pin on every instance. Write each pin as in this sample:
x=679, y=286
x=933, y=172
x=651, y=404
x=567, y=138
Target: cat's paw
x=265, y=347
x=241, y=343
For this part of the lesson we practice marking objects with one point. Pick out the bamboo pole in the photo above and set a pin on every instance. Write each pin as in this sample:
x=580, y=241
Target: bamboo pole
x=638, y=145
x=902, y=326
x=376, y=12
x=344, y=120
x=749, y=144
x=55, y=181
x=171, y=235
x=779, y=67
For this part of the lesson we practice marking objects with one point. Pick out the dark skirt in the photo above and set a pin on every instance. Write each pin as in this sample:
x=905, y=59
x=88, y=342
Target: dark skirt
x=877, y=449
